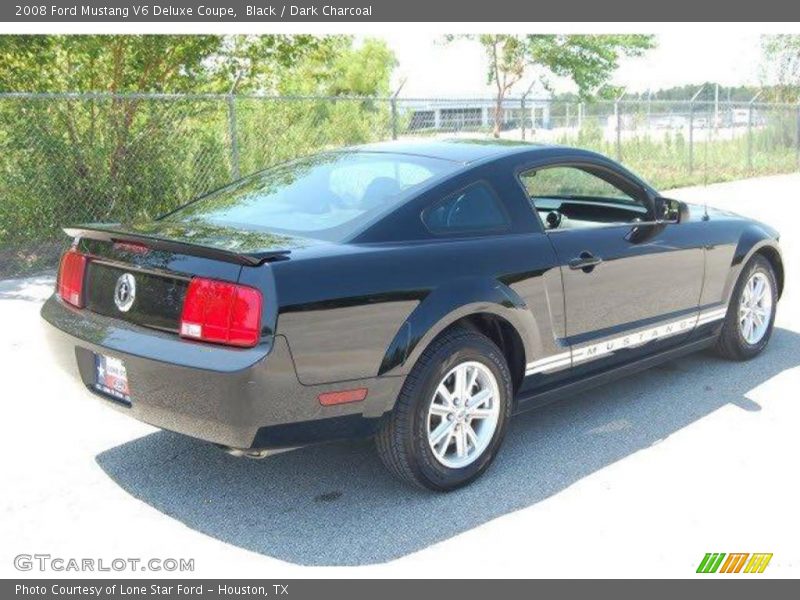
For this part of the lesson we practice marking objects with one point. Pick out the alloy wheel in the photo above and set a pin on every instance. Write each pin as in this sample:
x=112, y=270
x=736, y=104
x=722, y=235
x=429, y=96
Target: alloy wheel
x=463, y=414
x=755, y=308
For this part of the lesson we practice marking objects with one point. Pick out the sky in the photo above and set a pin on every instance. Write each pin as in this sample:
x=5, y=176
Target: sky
x=433, y=68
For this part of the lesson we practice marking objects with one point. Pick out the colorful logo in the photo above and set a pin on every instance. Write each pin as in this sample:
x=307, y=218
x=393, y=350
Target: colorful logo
x=719, y=562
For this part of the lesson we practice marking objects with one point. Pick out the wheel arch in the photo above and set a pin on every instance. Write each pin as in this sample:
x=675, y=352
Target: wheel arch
x=755, y=240
x=489, y=307
x=773, y=255
x=504, y=335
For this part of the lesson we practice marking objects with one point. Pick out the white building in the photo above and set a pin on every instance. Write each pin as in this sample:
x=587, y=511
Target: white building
x=474, y=114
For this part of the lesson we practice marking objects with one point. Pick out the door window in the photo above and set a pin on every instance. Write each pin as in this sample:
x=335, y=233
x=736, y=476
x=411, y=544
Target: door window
x=571, y=197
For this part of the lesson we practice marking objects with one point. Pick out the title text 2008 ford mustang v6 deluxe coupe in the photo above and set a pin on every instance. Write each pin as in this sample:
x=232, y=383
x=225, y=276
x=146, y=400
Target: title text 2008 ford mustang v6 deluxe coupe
x=417, y=292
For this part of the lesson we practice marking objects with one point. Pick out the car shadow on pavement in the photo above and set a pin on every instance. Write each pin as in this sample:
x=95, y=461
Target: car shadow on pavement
x=32, y=289
x=336, y=505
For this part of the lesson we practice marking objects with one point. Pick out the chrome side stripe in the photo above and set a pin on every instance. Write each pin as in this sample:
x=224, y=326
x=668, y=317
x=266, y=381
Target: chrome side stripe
x=634, y=339
x=712, y=315
x=589, y=352
x=555, y=361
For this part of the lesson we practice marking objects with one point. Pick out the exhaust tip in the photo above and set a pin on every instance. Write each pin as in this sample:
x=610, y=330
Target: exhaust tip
x=254, y=453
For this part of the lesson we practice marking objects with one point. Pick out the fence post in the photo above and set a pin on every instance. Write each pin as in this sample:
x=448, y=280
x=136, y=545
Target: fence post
x=691, y=127
x=393, y=103
x=797, y=137
x=618, y=119
x=524, y=119
x=750, y=130
x=691, y=136
x=750, y=137
x=234, y=137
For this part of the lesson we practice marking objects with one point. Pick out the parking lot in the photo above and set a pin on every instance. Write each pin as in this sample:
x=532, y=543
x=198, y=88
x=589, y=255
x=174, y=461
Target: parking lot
x=638, y=478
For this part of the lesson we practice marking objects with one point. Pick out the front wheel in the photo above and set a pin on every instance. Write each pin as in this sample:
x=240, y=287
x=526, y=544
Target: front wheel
x=751, y=314
x=451, y=414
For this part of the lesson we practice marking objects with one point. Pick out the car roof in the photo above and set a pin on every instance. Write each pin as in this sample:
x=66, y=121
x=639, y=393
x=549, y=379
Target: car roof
x=470, y=151
x=457, y=150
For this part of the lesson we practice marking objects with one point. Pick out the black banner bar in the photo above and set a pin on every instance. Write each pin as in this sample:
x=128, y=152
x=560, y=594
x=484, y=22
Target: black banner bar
x=450, y=11
x=464, y=589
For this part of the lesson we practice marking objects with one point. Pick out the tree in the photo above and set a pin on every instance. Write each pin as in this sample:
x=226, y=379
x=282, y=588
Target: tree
x=340, y=69
x=135, y=63
x=329, y=102
x=781, y=64
x=119, y=157
x=588, y=60
x=149, y=63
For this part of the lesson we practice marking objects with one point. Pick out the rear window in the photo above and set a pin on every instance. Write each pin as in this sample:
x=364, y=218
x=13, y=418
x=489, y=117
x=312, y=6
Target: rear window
x=326, y=196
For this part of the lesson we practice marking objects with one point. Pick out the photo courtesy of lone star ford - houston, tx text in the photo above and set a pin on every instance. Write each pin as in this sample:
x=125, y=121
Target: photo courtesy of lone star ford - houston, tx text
x=363, y=298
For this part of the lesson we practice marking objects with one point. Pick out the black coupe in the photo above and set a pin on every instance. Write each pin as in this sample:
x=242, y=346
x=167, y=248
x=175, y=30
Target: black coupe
x=419, y=293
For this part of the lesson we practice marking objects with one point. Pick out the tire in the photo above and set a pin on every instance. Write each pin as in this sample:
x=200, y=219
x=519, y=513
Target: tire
x=404, y=441
x=733, y=343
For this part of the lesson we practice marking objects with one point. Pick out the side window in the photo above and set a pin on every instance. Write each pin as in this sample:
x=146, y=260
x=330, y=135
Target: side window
x=570, y=182
x=474, y=208
x=569, y=197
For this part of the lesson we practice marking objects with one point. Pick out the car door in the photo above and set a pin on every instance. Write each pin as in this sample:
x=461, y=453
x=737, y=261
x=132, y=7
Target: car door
x=631, y=283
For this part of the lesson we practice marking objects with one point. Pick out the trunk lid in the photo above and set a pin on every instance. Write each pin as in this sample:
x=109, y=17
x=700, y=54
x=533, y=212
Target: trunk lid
x=157, y=298
x=157, y=262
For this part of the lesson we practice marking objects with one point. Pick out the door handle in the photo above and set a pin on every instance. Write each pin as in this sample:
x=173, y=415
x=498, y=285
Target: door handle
x=585, y=261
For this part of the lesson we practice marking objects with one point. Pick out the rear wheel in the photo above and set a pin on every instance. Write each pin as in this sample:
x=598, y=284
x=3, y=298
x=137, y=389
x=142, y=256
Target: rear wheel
x=751, y=314
x=451, y=415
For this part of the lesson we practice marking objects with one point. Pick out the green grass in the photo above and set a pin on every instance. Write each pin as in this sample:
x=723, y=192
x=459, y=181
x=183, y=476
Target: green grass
x=668, y=164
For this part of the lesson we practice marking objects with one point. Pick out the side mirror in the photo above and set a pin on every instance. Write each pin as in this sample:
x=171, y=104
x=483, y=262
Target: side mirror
x=670, y=211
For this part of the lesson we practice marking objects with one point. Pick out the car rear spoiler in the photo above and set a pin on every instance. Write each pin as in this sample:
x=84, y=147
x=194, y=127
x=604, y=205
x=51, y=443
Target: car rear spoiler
x=111, y=234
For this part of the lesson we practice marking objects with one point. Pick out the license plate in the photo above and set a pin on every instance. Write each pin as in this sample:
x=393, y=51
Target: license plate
x=111, y=378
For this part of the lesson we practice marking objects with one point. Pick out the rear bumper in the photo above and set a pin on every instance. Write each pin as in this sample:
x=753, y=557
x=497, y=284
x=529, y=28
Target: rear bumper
x=240, y=398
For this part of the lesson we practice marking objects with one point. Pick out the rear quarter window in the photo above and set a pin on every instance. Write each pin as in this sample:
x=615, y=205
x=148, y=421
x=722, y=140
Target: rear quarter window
x=475, y=208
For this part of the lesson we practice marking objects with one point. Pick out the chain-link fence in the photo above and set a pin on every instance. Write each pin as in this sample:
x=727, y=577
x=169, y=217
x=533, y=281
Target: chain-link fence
x=669, y=143
x=68, y=158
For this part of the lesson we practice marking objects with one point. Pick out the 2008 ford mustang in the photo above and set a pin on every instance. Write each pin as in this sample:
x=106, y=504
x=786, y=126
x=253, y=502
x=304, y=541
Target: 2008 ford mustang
x=420, y=293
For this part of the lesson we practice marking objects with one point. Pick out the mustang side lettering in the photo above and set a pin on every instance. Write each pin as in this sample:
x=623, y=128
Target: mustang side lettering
x=419, y=293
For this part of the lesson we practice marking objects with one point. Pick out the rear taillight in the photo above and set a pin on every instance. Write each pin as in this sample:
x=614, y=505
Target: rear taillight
x=70, y=277
x=221, y=312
